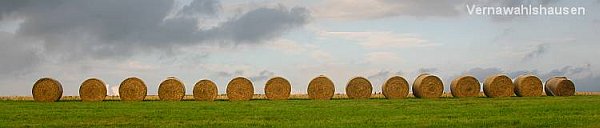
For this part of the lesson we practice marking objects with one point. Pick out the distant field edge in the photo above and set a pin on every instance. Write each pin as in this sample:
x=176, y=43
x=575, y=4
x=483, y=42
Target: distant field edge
x=254, y=97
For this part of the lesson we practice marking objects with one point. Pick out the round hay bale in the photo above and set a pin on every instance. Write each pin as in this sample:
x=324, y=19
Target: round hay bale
x=205, y=90
x=132, y=89
x=498, y=86
x=320, y=88
x=428, y=86
x=92, y=90
x=528, y=85
x=560, y=86
x=395, y=87
x=240, y=89
x=465, y=86
x=278, y=88
x=359, y=88
x=171, y=90
x=46, y=90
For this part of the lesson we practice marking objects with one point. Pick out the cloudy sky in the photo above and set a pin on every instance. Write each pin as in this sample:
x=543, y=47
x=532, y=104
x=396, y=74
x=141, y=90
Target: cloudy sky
x=72, y=40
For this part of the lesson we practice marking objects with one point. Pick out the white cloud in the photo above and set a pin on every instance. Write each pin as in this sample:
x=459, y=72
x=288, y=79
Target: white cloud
x=381, y=57
x=321, y=55
x=288, y=46
x=345, y=9
x=382, y=39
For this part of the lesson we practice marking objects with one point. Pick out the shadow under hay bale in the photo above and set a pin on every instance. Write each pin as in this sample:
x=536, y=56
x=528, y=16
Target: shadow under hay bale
x=171, y=90
x=47, y=90
x=395, y=87
x=278, y=88
x=240, y=89
x=428, y=86
x=528, y=85
x=465, y=86
x=205, y=90
x=560, y=86
x=498, y=86
x=132, y=89
x=320, y=88
x=92, y=90
x=359, y=88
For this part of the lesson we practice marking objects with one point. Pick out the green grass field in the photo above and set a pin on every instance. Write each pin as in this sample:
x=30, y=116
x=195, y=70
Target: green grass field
x=576, y=111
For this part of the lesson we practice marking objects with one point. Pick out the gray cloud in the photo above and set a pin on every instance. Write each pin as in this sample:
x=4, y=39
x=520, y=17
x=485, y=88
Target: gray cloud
x=503, y=34
x=8, y=7
x=202, y=7
x=379, y=75
x=589, y=83
x=114, y=28
x=427, y=70
x=261, y=24
x=539, y=50
x=263, y=75
x=514, y=74
x=16, y=56
x=224, y=74
x=383, y=75
x=566, y=71
x=425, y=7
x=73, y=30
x=482, y=73
x=376, y=9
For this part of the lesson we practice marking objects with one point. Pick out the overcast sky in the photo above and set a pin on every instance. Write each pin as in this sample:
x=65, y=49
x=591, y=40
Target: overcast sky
x=73, y=40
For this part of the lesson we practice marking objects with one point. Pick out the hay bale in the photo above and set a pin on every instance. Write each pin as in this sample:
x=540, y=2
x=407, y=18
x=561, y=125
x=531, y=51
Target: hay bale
x=320, y=88
x=465, y=86
x=560, y=86
x=278, y=88
x=240, y=89
x=359, y=88
x=528, y=85
x=498, y=86
x=46, y=90
x=395, y=87
x=171, y=90
x=92, y=90
x=428, y=86
x=132, y=89
x=205, y=90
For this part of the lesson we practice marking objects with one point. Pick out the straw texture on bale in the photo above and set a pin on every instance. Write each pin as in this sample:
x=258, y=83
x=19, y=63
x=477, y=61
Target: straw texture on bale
x=465, y=86
x=92, y=90
x=47, y=90
x=240, y=89
x=528, y=85
x=560, y=86
x=132, y=89
x=205, y=90
x=359, y=88
x=395, y=88
x=428, y=86
x=320, y=88
x=498, y=86
x=171, y=90
x=278, y=88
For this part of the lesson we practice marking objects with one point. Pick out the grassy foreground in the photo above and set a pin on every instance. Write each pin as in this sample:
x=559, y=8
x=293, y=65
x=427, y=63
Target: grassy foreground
x=576, y=111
